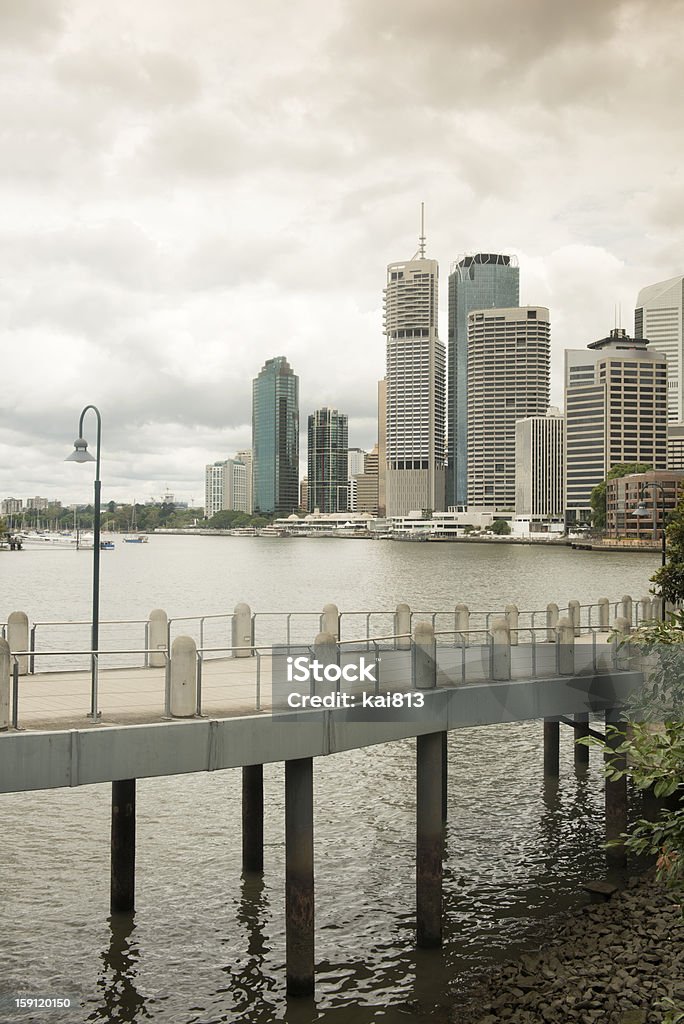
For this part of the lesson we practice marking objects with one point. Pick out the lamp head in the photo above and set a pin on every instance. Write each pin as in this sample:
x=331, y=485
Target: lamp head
x=641, y=512
x=80, y=452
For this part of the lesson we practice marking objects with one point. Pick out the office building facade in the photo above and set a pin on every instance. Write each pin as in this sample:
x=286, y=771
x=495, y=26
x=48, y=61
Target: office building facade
x=415, y=388
x=479, y=281
x=226, y=487
x=275, y=439
x=508, y=380
x=615, y=412
x=540, y=466
x=328, y=456
x=659, y=316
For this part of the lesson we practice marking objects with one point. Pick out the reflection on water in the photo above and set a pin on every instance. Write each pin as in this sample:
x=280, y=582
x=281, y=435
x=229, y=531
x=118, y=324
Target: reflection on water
x=120, y=999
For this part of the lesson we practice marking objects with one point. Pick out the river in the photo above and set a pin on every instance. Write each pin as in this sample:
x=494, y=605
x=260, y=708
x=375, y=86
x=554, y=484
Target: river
x=206, y=945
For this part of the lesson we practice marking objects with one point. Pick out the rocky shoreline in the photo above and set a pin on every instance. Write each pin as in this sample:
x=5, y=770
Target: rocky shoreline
x=611, y=962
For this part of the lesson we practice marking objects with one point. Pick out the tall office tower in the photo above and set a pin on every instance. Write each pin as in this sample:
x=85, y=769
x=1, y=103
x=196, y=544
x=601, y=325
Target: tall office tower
x=246, y=456
x=415, y=473
x=508, y=380
x=327, y=464
x=482, y=281
x=659, y=316
x=226, y=487
x=304, y=495
x=540, y=466
x=367, y=484
x=382, y=446
x=615, y=411
x=275, y=439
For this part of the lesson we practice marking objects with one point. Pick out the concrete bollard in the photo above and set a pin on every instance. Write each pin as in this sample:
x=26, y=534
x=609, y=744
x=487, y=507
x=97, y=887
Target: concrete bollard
x=157, y=637
x=402, y=627
x=656, y=608
x=622, y=626
x=574, y=613
x=325, y=649
x=625, y=608
x=551, y=622
x=566, y=646
x=462, y=622
x=643, y=610
x=603, y=614
x=5, y=677
x=512, y=616
x=424, y=656
x=241, y=631
x=18, y=637
x=330, y=620
x=501, y=649
x=183, y=677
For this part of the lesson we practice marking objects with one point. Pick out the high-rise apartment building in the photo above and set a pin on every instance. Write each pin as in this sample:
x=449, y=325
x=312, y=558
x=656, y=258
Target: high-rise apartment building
x=480, y=281
x=415, y=469
x=226, y=487
x=367, y=484
x=508, y=380
x=382, y=446
x=275, y=439
x=246, y=456
x=615, y=412
x=540, y=466
x=328, y=453
x=659, y=316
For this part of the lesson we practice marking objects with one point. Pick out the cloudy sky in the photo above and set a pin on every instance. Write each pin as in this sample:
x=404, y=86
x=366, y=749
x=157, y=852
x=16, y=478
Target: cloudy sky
x=191, y=188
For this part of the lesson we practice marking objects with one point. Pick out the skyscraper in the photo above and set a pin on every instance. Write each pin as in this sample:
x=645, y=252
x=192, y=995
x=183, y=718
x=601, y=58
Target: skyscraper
x=415, y=473
x=659, y=316
x=615, y=411
x=482, y=281
x=275, y=439
x=540, y=466
x=508, y=380
x=328, y=435
x=227, y=487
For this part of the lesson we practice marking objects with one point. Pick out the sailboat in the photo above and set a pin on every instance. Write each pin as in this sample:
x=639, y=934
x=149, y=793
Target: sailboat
x=135, y=538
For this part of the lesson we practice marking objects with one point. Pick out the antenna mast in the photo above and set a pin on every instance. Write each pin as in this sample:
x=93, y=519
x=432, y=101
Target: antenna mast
x=421, y=240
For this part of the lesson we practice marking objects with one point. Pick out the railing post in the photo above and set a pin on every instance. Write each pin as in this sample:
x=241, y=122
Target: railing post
x=551, y=622
x=574, y=612
x=183, y=677
x=462, y=623
x=625, y=608
x=566, y=647
x=643, y=610
x=330, y=620
x=424, y=656
x=603, y=614
x=299, y=877
x=512, y=616
x=5, y=676
x=157, y=637
x=402, y=627
x=18, y=638
x=501, y=649
x=241, y=630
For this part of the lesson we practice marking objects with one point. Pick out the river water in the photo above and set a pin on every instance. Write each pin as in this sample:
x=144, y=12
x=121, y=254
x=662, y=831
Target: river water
x=207, y=945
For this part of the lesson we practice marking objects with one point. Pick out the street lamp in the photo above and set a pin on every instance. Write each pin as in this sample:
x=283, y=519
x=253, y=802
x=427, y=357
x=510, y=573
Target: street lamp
x=641, y=512
x=81, y=454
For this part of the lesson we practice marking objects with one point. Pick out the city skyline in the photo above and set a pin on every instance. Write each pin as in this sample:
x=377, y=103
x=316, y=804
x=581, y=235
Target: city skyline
x=184, y=186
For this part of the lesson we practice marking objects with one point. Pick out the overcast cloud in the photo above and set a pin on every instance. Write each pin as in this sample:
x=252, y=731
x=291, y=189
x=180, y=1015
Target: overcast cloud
x=190, y=189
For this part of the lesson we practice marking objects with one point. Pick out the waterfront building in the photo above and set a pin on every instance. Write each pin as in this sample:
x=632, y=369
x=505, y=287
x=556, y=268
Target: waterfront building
x=508, y=380
x=304, y=495
x=675, y=446
x=10, y=505
x=540, y=467
x=659, y=316
x=275, y=438
x=328, y=456
x=367, y=484
x=658, y=491
x=355, y=465
x=382, y=446
x=615, y=412
x=415, y=470
x=478, y=281
x=37, y=504
x=246, y=456
x=226, y=487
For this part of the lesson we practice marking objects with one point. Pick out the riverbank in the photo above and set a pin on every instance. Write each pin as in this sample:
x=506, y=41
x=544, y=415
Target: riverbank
x=611, y=962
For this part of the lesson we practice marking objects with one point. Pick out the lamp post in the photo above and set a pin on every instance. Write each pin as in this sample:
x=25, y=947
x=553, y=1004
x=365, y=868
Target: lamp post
x=81, y=454
x=641, y=512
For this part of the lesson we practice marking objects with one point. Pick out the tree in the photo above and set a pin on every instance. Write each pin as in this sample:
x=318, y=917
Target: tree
x=597, y=499
x=669, y=579
x=500, y=527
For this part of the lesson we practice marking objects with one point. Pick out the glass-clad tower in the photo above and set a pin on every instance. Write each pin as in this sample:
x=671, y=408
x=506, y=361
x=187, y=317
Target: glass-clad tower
x=275, y=438
x=328, y=437
x=483, y=281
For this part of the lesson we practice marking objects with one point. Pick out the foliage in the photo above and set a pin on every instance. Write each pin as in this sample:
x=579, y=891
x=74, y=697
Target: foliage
x=669, y=579
x=675, y=1013
x=230, y=520
x=500, y=527
x=597, y=499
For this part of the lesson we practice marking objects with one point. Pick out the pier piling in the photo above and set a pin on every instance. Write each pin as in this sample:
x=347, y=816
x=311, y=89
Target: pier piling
x=615, y=792
x=299, y=877
x=253, y=818
x=581, y=729
x=551, y=747
x=402, y=627
x=429, y=838
x=122, y=891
